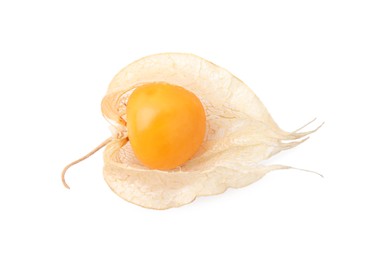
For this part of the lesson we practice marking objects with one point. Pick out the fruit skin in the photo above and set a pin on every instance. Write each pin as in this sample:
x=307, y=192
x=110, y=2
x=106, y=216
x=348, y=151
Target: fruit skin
x=166, y=125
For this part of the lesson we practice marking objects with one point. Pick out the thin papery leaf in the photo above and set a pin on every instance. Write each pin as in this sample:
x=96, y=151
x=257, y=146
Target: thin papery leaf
x=240, y=134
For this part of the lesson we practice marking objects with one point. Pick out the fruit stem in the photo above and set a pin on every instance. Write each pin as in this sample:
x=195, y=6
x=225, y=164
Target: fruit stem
x=104, y=143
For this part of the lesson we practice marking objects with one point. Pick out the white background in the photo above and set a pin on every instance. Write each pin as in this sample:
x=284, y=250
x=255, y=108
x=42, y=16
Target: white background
x=304, y=59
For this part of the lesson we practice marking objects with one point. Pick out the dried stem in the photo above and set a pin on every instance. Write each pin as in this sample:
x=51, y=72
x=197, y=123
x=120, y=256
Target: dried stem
x=104, y=143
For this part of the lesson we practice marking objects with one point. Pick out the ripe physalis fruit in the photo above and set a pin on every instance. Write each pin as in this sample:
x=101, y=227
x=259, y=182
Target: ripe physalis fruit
x=184, y=127
x=166, y=125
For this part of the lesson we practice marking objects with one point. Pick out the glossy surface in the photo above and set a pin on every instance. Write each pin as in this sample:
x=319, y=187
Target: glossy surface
x=166, y=125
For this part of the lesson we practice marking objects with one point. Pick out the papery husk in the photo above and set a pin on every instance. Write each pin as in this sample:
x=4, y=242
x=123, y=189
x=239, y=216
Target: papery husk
x=240, y=134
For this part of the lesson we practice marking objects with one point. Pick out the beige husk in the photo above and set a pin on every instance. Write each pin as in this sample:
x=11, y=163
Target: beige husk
x=240, y=134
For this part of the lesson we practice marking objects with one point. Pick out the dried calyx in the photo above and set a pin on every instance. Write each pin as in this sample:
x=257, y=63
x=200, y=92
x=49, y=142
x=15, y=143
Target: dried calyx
x=240, y=134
